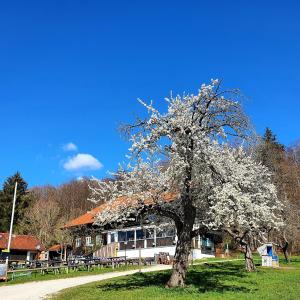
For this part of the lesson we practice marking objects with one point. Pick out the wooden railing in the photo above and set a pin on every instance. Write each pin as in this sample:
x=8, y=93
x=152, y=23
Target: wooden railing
x=107, y=251
x=165, y=241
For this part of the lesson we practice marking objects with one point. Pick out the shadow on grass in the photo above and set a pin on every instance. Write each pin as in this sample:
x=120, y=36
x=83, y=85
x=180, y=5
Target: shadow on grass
x=201, y=279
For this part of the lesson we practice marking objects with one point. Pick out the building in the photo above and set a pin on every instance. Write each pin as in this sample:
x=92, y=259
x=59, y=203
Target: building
x=58, y=252
x=23, y=247
x=90, y=239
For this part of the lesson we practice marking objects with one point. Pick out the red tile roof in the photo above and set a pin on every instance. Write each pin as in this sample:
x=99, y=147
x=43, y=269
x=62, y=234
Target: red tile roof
x=55, y=248
x=89, y=217
x=21, y=242
x=85, y=219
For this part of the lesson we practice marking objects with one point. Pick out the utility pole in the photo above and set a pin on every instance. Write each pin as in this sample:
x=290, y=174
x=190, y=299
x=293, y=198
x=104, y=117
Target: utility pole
x=11, y=227
x=140, y=259
x=125, y=245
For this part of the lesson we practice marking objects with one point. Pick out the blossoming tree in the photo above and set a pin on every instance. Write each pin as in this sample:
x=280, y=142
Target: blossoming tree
x=244, y=203
x=203, y=179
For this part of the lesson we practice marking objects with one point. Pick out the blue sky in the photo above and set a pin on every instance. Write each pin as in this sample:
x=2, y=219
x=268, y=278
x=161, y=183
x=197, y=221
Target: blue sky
x=71, y=71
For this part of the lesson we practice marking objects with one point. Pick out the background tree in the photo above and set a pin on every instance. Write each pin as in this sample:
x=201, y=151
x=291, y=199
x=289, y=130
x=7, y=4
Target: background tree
x=270, y=152
x=52, y=207
x=288, y=185
x=23, y=200
x=71, y=198
x=285, y=168
x=41, y=218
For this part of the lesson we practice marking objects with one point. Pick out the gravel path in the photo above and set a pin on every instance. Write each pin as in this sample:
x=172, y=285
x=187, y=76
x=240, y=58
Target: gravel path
x=40, y=289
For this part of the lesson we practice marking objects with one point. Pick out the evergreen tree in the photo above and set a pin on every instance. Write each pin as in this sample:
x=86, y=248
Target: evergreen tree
x=270, y=152
x=269, y=136
x=6, y=199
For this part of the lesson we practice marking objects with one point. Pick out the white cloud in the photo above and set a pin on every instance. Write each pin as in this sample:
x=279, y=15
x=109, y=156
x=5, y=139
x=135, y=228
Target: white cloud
x=81, y=162
x=70, y=147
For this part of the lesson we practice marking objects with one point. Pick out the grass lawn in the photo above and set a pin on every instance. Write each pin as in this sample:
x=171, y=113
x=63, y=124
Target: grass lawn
x=50, y=276
x=35, y=276
x=226, y=280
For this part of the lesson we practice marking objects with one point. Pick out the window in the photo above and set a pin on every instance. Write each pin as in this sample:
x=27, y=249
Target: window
x=170, y=231
x=78, y=242
x=98, y=240
x=88, y=241
x=139, y=234
x=165, y=231
x=150, y=233
x=206, y=242
x=160, y=232
x=122, y=236
x=130, y=235
x=113, y=237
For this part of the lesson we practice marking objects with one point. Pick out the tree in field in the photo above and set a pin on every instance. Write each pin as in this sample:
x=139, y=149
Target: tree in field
x=6, y=198
x=245, y=204
x=200, y=170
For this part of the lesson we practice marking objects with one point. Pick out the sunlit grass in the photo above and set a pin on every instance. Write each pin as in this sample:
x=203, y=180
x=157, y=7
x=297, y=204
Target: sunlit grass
x=227, y=280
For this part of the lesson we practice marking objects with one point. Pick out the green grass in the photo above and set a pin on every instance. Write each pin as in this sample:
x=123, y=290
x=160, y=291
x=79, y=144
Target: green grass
x=51, y=275
x=37, y=276
x=227, y=280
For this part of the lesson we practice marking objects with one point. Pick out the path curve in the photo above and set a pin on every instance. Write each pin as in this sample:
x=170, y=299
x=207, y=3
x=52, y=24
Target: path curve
x=38, y=290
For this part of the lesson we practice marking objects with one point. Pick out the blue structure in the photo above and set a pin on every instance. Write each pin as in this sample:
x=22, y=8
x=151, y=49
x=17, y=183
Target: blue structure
x=268, y=255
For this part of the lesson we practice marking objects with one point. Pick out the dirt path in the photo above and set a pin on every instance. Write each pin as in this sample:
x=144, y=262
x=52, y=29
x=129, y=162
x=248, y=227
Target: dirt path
x=38, y=290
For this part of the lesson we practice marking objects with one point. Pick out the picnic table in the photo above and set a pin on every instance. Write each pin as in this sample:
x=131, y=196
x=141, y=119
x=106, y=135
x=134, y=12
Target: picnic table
x=42, y=270
x=76, y=264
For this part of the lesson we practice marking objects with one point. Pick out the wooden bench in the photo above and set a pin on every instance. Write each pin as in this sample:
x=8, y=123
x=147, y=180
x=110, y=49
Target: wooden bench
x=43, y=270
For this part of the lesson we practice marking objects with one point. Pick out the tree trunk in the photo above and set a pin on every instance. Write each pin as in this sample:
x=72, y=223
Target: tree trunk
x=184, y=229
x=250, y=266
x=284, y=250
x=180, y=263
x=183, y=248
x=244, y=242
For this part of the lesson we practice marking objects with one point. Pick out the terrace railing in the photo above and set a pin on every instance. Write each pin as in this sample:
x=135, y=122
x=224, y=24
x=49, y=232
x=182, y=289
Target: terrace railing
x=109, y=250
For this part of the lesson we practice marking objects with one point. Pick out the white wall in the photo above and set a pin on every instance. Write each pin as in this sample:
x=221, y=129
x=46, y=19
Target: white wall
x=197, y=254
x=150, y=252
x=146, y=252
x=28, y=255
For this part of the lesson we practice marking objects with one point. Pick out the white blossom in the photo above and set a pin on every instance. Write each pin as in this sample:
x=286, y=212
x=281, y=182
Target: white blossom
x=184, y=155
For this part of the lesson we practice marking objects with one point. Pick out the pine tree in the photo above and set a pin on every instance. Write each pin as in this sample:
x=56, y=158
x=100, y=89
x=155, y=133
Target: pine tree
x=270, y=152
x=269, y=136
x=6, y=199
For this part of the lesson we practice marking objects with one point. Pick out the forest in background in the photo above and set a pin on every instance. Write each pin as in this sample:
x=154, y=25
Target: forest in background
x=42, y=211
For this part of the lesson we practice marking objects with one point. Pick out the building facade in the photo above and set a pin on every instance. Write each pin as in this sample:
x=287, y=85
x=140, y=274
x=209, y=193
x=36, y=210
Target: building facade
x=23, y=247
x=129, y=241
